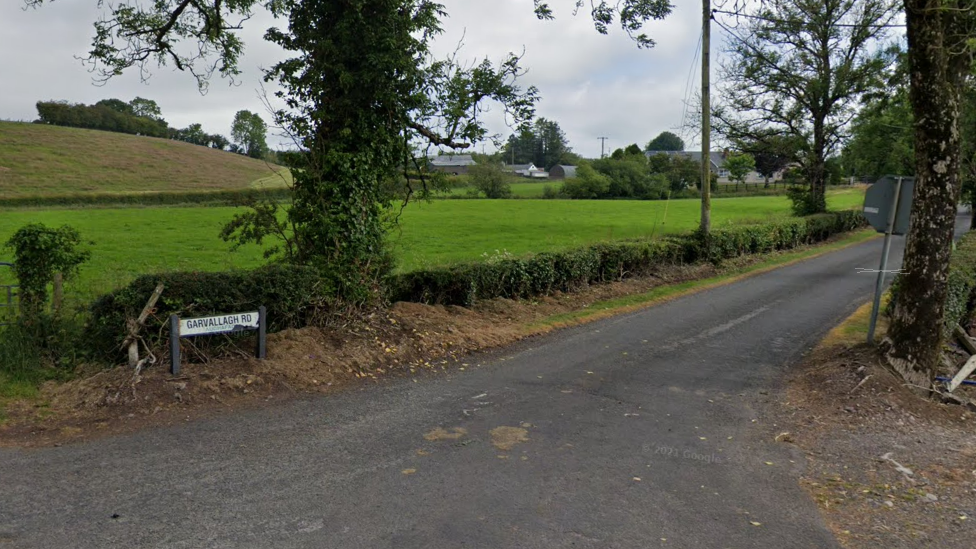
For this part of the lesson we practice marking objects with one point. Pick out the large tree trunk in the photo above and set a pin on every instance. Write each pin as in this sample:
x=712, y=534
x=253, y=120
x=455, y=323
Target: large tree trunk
x=818, y=168
x=915, y=336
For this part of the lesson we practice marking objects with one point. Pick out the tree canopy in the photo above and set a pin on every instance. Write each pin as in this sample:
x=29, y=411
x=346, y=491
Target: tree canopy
x=665, y=141
x=543, y=144
x=797, y=69
x=250, y=133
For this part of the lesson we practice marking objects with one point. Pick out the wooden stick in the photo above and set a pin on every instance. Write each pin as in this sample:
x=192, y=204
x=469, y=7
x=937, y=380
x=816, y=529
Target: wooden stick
x=968, y=368
x=964, y=338
x=130, y=341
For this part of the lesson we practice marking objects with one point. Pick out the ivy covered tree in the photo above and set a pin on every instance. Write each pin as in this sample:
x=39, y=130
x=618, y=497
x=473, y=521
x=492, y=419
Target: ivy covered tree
x=940, y=57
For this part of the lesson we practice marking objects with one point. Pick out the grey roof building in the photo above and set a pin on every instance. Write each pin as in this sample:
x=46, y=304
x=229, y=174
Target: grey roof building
x=457, y=164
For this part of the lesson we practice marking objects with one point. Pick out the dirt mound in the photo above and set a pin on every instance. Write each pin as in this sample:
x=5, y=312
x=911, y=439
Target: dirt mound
x=887, y=468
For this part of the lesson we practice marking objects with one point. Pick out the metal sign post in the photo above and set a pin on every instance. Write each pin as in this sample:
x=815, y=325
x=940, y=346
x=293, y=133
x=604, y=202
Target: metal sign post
x=892, y=215
x=220, y=324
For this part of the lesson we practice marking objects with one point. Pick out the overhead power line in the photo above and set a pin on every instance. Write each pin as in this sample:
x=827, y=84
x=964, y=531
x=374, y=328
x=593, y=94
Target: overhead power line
x=772, y=20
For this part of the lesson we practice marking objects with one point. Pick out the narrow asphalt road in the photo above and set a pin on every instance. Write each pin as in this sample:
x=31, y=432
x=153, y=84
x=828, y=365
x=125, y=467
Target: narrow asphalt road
x=644, y=430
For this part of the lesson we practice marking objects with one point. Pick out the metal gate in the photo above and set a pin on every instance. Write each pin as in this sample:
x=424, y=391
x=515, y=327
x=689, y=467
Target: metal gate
x=8, y=294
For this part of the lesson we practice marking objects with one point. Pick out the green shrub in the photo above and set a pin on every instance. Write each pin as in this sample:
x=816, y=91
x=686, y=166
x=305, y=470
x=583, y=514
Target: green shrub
x=39, y=254
x=489, y=179
x=960, y=303
x=545, y=273
x=291, y=294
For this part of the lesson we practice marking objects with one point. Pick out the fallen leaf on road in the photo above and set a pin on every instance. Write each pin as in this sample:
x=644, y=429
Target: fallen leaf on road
x=754, y=523
x=408, y=471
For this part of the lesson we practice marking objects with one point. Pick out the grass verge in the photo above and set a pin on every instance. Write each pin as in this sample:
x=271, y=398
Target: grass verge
x=854, y=329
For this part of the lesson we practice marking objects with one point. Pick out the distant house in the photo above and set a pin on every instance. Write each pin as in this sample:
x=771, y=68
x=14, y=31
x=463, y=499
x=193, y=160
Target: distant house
x=520, y=169
x=562, y=172
x=456, y=164
x=717, y=162
x=526, y=170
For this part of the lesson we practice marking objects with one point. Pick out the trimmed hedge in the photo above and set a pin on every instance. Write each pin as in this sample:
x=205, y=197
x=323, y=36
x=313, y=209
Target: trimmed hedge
x=961, y=292
x=162, y=198
x=290, y=293
x=545, y=273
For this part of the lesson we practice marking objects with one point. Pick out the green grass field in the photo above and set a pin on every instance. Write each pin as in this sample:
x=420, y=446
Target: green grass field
x=39, y=160
x=128, y=242
x=446, y=231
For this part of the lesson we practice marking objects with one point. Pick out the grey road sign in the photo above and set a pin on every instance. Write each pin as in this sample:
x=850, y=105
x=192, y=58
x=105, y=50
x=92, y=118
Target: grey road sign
x=220, y=324
x=879, y=199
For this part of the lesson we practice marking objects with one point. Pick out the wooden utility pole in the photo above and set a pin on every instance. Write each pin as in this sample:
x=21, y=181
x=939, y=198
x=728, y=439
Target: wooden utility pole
x=706, y=156
x=603, y=141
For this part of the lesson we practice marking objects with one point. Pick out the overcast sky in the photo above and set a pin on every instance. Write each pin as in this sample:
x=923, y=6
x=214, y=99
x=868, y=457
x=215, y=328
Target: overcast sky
x=592, y=85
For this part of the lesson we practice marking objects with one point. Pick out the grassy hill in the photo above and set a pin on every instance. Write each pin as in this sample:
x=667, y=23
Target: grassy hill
x=37, y=160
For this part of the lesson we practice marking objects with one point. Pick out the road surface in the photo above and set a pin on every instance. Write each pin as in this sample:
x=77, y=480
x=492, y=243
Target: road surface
x=644, y=430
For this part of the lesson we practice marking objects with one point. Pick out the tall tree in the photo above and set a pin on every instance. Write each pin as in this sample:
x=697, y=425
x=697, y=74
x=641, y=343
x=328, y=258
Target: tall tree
x=520, y=148
x=739, y=165
x=543, y=144
x=665, y=141
x=552, y=141
x=146, y=108
x=797, y=69
x=772, y=153
x=250, y=132
x=940, y=56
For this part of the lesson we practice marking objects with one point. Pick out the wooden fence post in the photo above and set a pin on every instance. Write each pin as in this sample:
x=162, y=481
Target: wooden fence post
x=58, y=293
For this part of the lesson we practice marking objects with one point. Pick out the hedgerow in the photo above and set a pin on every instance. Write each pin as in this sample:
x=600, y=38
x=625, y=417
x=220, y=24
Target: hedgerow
x=162, y=198
x=545, y=273
x=291, y=294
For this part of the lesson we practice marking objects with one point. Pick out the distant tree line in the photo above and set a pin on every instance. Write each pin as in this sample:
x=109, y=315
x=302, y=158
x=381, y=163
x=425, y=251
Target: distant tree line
x=143, y=117
x=630, y=173
x=112, y=115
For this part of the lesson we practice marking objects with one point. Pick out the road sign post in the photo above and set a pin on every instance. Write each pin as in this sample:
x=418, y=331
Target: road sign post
x=220, y=324
x=889, y=227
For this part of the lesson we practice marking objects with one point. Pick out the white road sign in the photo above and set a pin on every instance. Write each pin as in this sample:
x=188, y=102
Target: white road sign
x=219, y=324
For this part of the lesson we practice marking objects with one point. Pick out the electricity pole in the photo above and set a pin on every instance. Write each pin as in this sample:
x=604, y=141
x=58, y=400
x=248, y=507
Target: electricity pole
x=706, y=160
x=603, y=141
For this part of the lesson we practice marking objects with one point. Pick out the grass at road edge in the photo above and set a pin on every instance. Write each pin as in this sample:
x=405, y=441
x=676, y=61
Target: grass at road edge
x=668, y=292
x=853, y=330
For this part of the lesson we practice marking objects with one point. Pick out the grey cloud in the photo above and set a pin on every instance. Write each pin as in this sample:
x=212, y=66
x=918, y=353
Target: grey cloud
x=591, y=84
